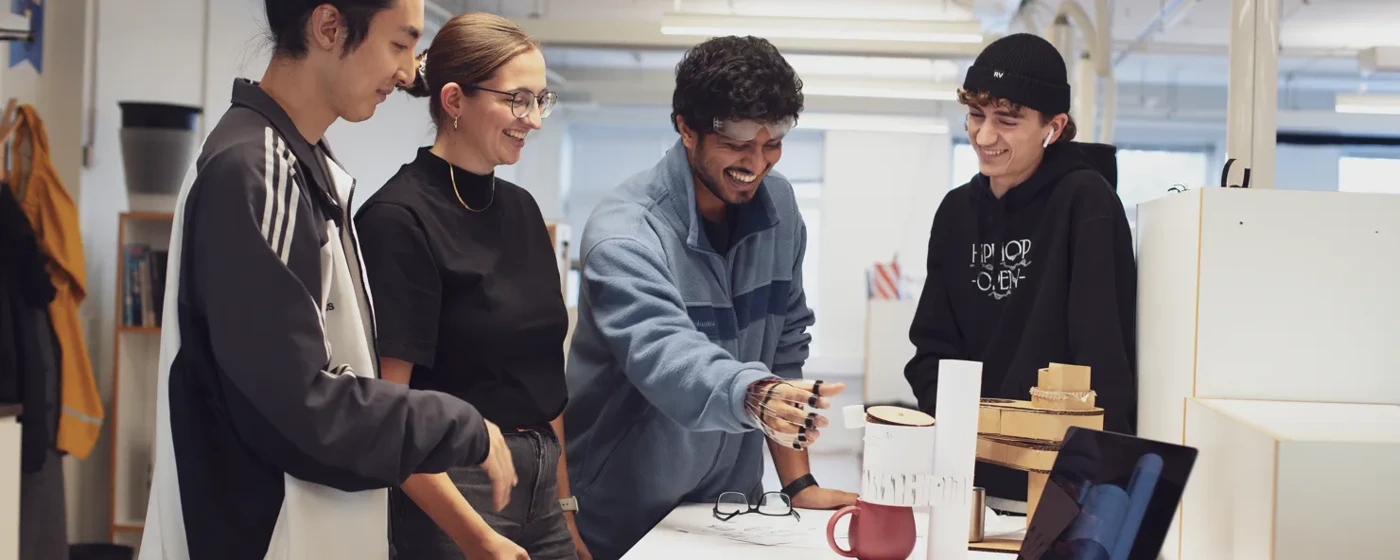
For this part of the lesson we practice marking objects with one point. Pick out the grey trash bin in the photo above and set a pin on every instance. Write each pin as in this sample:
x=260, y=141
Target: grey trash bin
x=158, y=143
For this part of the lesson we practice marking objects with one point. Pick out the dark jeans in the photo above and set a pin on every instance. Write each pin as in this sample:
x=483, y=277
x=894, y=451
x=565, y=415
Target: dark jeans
x=533, y=519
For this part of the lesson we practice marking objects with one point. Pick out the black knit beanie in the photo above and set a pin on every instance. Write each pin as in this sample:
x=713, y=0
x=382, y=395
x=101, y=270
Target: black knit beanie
x=1024, y=69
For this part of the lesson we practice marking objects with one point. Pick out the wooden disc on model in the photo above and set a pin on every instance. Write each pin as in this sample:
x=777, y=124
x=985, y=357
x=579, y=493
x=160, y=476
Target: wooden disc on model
x=898, y=416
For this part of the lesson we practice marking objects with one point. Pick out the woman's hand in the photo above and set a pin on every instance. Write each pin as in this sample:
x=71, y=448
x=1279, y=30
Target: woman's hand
x=499, y=467
x=494, y=547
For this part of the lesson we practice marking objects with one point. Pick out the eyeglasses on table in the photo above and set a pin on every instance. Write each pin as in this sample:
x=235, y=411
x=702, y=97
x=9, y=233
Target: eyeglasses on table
x=732, y=504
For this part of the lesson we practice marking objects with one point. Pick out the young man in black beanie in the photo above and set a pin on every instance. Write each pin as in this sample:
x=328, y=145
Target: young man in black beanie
x=1031, y=262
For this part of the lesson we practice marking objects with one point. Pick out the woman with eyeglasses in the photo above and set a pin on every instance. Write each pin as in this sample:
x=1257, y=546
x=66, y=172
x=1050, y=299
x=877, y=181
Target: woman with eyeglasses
x=467, y=292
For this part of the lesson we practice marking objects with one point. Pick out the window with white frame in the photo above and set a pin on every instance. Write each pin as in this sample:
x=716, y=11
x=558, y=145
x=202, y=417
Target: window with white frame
x=1144, y=175
x=964, y=165
x=1368, y=174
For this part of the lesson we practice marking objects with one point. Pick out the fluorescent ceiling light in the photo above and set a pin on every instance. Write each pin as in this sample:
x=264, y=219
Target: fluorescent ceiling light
x=711, y=25
x=878, y=67
x=1368, y=104
x=873, y=123
x=932, y=91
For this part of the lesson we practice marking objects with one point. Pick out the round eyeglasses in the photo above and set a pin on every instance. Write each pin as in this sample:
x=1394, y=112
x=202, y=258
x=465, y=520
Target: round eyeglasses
x=521, y=101
x=731, y=504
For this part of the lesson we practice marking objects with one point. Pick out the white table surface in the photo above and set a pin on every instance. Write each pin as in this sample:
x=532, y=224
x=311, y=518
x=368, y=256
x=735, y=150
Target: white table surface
x=681, y=535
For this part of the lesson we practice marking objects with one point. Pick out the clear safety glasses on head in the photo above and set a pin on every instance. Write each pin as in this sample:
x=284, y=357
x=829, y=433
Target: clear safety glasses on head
x=745, y=130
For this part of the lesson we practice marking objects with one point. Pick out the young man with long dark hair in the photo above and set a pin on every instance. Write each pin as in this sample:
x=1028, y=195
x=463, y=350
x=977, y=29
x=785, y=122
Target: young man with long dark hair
x=274, y=437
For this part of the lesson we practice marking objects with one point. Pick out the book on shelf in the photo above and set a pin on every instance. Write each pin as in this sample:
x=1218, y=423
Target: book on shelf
x=144, y=285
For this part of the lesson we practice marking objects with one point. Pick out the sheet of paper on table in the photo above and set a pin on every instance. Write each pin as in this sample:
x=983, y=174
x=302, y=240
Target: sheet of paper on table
x=762, y=530
x=759, y=530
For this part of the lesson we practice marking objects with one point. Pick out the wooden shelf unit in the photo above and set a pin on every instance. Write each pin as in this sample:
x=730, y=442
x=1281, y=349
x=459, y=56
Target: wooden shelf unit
x=135, y=362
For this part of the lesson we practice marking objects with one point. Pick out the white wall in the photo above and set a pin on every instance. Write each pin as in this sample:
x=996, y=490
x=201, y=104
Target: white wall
x=879, y=195
x=134, y=63
x=544, y=168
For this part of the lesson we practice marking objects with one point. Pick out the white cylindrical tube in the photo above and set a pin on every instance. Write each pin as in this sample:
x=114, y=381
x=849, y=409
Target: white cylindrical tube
x=954, y=457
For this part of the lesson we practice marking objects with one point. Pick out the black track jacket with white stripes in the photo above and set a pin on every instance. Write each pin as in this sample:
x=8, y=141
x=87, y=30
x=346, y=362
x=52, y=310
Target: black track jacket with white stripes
x=274, y=439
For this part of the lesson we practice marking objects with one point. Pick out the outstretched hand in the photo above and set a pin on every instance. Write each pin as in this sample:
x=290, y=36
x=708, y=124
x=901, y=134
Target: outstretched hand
x=784, y=408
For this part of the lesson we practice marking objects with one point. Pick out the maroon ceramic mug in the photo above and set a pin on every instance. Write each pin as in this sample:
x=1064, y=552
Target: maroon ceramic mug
x=876, y=533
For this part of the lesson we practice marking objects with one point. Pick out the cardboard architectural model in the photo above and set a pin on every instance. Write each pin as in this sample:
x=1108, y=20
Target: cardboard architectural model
x=1026, y=435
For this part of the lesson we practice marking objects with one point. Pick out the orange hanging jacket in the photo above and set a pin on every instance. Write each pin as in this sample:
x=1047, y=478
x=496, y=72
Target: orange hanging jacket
x=54, y=217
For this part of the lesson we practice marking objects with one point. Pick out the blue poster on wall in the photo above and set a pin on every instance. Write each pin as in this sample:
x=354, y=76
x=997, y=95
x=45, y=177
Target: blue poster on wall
x=32, y=51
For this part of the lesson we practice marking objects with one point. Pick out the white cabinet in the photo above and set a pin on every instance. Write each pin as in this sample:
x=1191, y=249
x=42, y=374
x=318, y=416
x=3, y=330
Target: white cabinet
x=9, y=486
x=1291, y=480
x=1264, y=294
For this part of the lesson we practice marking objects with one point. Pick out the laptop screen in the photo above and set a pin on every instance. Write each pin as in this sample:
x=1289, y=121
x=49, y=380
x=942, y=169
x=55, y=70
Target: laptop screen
x=1110, y=496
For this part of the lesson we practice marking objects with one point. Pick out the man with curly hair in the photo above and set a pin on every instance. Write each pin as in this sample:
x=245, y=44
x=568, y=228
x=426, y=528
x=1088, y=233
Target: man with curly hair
x=692, y=321
x=1030, y=262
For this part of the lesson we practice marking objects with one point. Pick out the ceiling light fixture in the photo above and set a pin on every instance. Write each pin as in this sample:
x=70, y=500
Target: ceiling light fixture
x=1370, y=104
x=925, y=31
x=932, y=91
x=873, y=123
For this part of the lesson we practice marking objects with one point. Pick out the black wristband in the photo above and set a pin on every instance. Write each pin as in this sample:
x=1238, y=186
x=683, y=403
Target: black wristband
x=798, y=485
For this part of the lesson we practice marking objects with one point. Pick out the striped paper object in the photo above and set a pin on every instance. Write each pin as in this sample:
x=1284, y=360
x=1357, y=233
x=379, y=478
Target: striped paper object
x=885, y=281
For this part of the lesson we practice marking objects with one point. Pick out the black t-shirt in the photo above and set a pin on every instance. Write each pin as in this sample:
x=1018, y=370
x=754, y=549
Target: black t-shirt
x=472, y=299
x=721, y=234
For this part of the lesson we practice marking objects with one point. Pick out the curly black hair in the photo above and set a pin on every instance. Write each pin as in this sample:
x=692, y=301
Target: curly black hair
x=734, y=77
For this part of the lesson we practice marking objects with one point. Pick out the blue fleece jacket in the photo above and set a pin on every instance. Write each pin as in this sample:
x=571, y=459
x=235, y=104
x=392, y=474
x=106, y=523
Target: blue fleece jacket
x=669, y=336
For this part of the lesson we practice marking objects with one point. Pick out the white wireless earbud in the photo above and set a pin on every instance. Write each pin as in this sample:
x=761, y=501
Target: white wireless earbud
x=1048, y=137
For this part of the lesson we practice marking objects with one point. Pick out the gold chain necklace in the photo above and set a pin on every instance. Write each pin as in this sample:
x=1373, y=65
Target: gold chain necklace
x=452, y=174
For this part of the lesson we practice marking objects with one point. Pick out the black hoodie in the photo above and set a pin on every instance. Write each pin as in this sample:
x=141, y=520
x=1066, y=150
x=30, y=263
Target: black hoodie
x=1044, y=274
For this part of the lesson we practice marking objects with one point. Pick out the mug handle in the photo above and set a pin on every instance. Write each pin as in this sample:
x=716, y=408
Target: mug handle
x=831, y=529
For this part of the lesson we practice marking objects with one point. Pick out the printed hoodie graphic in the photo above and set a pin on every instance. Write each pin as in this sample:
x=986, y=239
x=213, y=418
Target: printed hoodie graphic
x=998, y=268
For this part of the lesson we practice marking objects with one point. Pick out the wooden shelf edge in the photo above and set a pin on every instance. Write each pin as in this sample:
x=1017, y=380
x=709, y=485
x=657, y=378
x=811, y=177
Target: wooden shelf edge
x=151, y=216
x=131, y=329
x=129, y=527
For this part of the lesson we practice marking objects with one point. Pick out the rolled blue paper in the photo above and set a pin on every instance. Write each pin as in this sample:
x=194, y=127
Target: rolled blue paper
x=1101, y=518
x=1140, y=489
